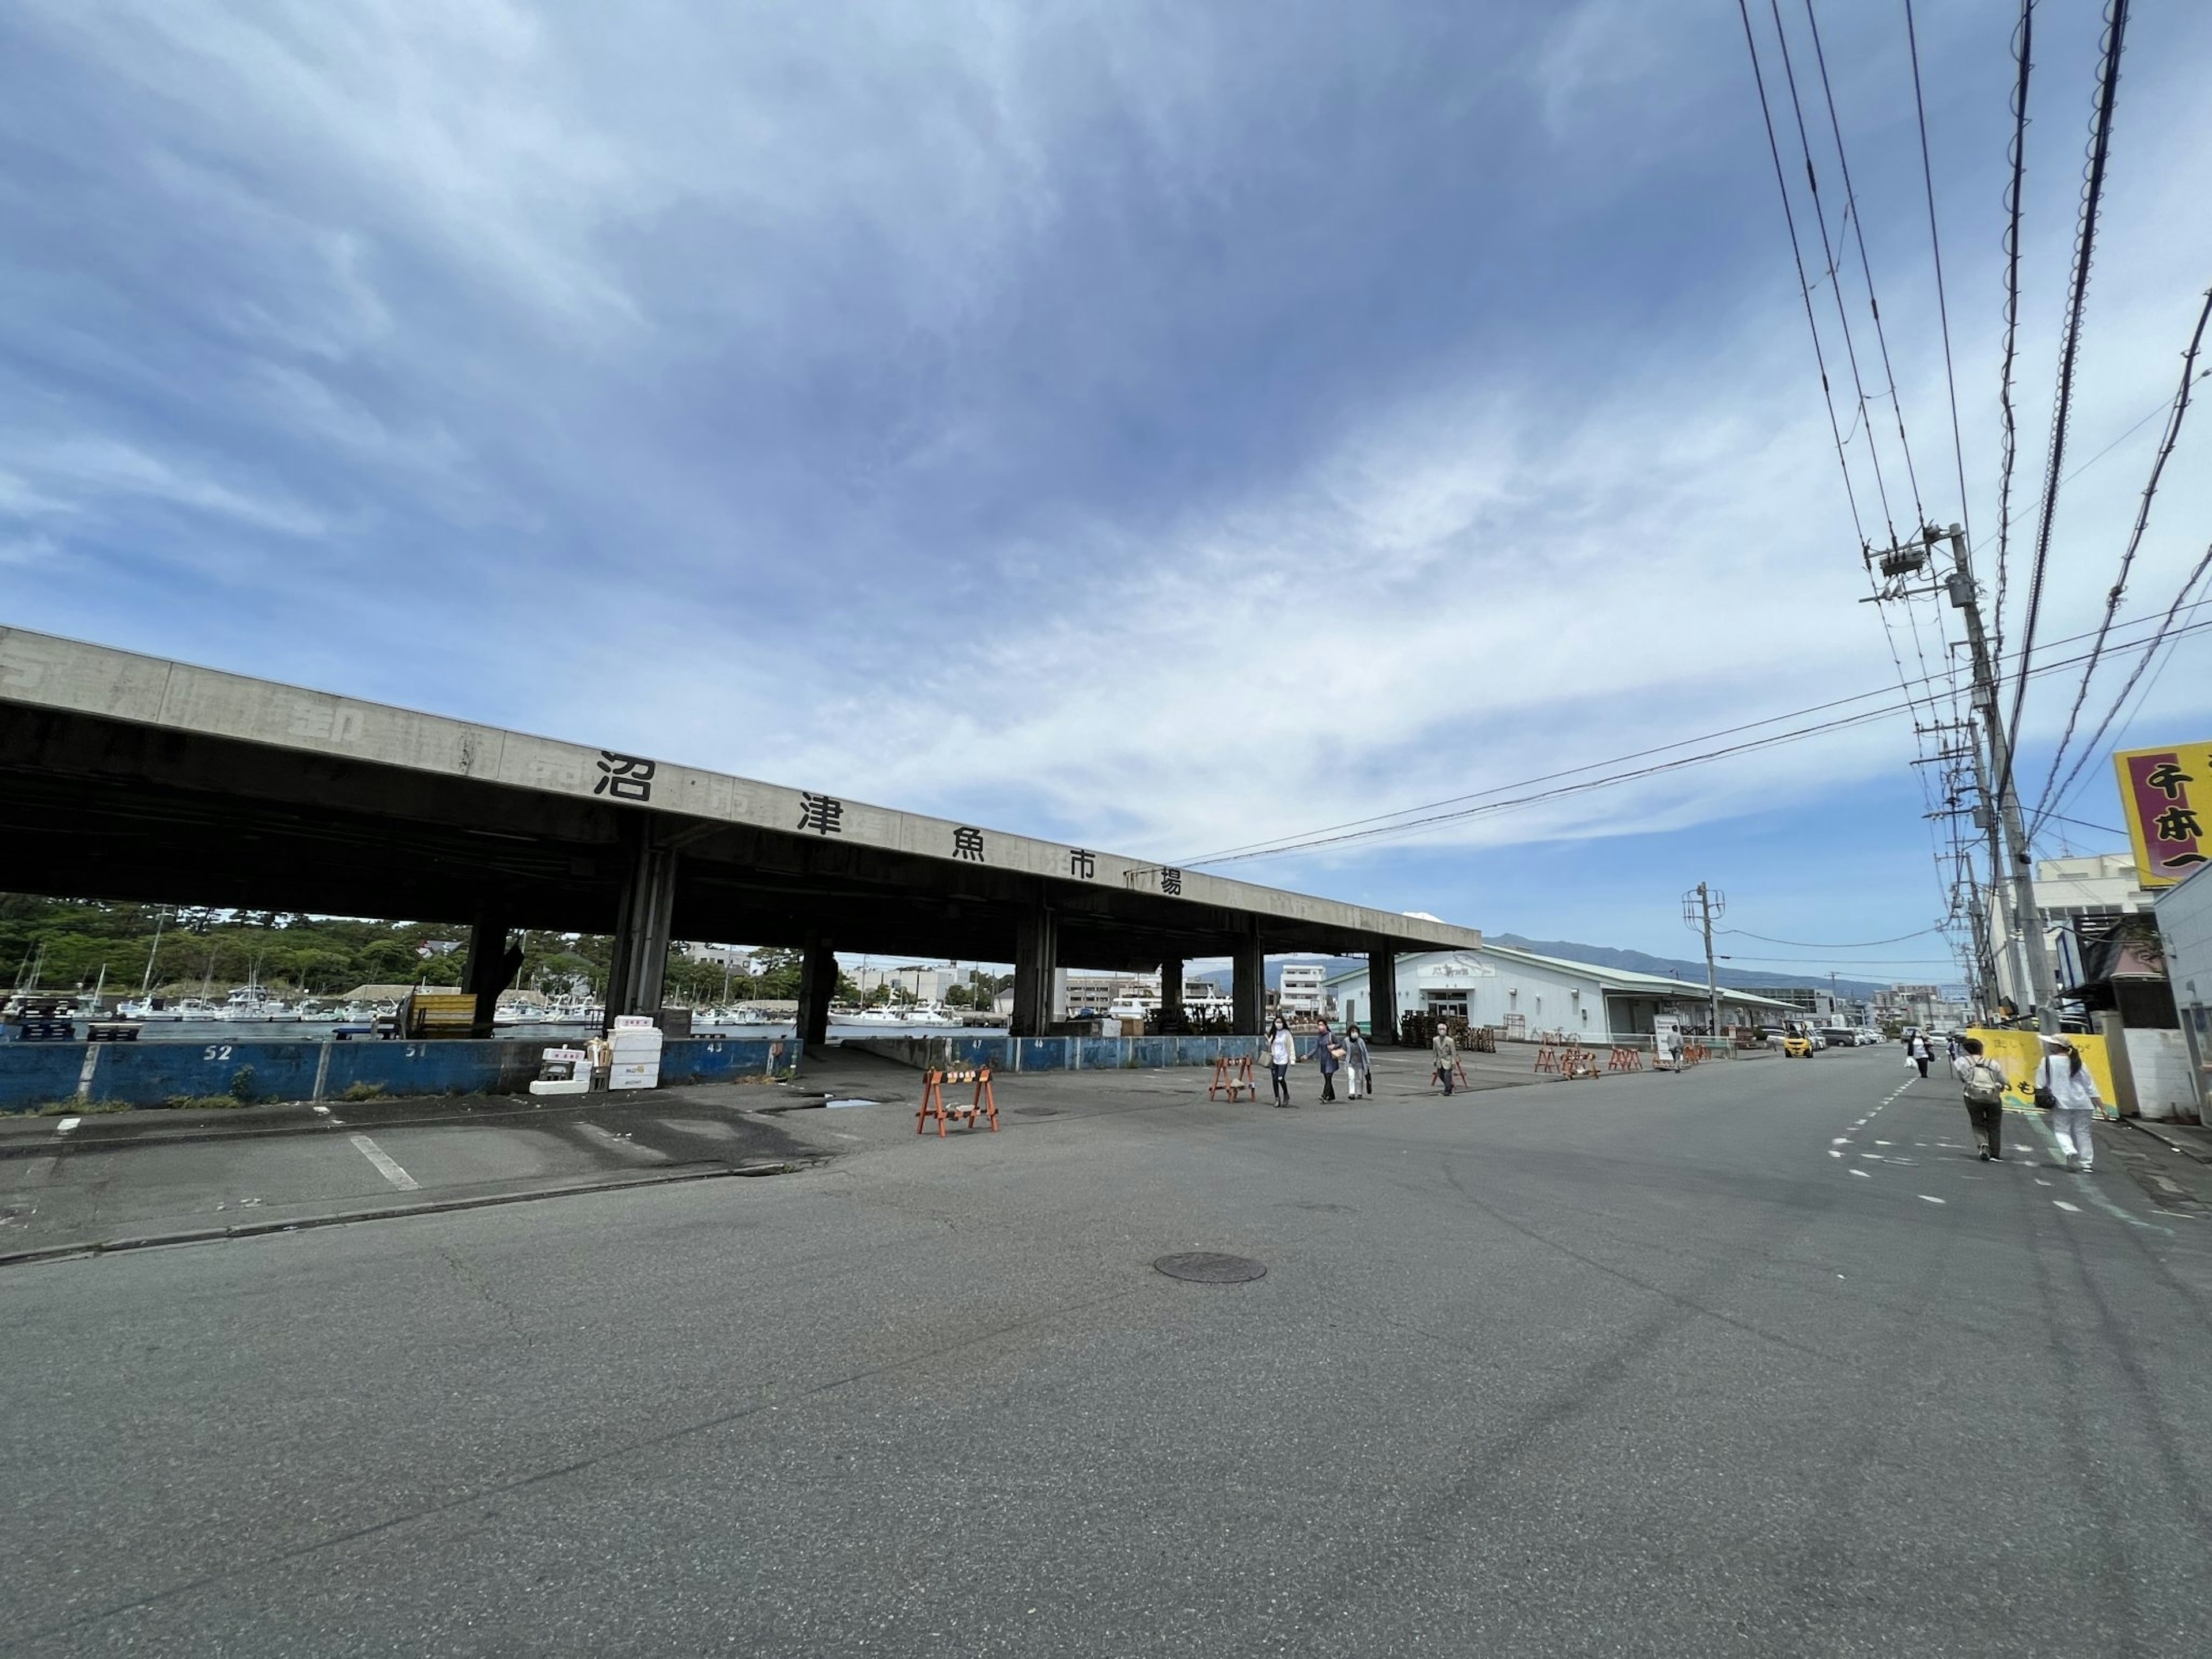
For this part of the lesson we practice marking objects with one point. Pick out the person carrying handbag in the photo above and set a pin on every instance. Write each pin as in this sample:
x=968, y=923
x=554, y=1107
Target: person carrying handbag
x=1357, y=1082
x=1330, y=1055
x=2064, y=1084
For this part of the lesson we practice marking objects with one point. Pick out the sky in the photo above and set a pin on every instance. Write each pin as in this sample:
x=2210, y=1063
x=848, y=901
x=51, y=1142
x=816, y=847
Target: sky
x=1162, y=427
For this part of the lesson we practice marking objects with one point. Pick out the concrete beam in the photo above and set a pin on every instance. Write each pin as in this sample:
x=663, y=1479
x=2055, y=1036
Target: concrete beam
x=487, y=971
x=1171, y=985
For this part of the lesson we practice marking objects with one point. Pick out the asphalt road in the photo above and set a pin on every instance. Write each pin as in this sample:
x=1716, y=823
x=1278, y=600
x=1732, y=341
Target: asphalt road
x=1749, y=1361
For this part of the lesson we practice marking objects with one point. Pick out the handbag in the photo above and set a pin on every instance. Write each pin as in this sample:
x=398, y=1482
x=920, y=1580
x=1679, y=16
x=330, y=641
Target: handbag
x=2045, y=1100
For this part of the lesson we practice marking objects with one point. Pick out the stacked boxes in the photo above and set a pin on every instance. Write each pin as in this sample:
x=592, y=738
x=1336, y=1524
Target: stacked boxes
x=563, y=1071
x=633, y=1052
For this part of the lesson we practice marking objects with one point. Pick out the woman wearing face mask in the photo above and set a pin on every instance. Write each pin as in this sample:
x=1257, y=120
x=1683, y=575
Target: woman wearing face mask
x=1282, y=1053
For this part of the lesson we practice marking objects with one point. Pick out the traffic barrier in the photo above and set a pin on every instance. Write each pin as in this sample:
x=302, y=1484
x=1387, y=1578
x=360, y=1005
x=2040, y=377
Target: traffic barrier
x=985, y=1104
x=1547, y=1059
x=1230, y=1075
x=1459, y=1075
x=1577, y=1061
x=1626, y=1060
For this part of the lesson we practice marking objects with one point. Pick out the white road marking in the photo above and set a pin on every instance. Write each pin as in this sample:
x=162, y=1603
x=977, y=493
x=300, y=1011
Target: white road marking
x=2070, y=1209
x=66, y=1125
x=841, y=1135
x=37, y=1169
x=1840, y=1140
x=1925, y=1198
x=1832, y=1152
x=2041, y=1181
x=1881, y=1143
x=385, y=1164
x=1876, y=1156
x=1863, y=1175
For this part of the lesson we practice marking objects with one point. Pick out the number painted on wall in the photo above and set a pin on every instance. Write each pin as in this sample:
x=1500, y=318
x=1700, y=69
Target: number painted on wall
x=413, y=1050
x=218, y=1051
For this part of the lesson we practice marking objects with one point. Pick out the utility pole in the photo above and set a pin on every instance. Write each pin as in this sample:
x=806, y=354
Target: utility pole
x=1700, y=907
x=2030, y=952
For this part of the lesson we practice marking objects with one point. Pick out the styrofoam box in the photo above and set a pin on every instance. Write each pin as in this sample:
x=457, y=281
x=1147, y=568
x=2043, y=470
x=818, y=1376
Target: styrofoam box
x=575, y=1085
x=635, y=1023
x=635, y=1077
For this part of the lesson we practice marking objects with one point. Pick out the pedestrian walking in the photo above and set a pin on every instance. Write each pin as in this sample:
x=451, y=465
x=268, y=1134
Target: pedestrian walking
x=1446, y=1053
x=1920, y=1051
x=1282, y=1053
x=1330, y=1053
x=2064, y=1084
x=1984, y=1082
x=1357, y=1082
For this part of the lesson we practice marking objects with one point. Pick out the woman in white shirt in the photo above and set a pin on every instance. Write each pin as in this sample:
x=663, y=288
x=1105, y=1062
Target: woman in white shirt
x=2074, y=1092
x=1282, y=1053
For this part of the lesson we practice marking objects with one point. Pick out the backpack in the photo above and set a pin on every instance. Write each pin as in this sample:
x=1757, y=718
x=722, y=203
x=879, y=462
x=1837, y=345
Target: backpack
x=1985, y=1084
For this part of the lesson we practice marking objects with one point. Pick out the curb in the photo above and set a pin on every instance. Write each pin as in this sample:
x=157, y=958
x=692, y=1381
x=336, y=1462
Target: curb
x=2141, y=1127
x=385, y=1212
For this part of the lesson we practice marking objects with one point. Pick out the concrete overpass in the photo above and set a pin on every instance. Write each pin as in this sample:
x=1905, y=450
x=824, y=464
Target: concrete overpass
x=130, y=777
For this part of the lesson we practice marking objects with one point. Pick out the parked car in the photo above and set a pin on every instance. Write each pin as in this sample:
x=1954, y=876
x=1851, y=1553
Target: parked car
x=1798, y=1046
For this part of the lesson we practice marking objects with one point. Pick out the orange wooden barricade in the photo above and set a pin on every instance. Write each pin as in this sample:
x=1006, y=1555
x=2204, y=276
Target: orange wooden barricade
x=1626, y=1060
x=985, y=1104
x=1459, y=1075
x=1230, y=1076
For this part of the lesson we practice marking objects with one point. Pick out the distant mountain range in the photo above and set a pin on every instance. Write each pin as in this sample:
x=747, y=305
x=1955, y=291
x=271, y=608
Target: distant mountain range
x=1604, y=956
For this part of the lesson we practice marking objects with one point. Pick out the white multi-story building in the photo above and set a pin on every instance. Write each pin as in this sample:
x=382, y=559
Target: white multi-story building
x=2068, y=893
x=1299, y=991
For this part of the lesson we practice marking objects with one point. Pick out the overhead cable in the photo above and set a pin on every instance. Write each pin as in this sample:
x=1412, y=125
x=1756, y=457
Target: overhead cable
x=1584, y=786
x=2165, y=628
x=2085, y=244
x=2127, y=555
x=1935, y=248
x=1866, y=266
x=1804, y=287
x=2023, y=45
x=1828, y=263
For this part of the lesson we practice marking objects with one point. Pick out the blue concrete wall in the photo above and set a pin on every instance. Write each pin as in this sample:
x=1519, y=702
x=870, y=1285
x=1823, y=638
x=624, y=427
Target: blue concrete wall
x=149, y=1073
x=32, y=1074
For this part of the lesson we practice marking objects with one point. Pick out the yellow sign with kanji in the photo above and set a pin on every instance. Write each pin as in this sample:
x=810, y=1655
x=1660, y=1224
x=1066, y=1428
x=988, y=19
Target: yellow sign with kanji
x=2167, y=795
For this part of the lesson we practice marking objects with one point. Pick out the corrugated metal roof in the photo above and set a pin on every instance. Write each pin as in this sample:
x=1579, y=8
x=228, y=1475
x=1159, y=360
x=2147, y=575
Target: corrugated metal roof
x=1611, y=978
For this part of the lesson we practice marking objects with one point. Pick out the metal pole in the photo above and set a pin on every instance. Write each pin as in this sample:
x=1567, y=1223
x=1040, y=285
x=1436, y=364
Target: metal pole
x=2032, y=953
x=1712, y=980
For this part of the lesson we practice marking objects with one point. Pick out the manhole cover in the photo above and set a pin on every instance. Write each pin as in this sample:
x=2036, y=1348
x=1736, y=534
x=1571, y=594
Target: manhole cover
x=1033, y=1111
x=1208, y=1267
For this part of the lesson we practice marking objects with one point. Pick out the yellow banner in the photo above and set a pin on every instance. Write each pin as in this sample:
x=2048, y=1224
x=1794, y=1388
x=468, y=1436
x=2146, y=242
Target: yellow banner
x=2018, y=1053
x=2167, y=796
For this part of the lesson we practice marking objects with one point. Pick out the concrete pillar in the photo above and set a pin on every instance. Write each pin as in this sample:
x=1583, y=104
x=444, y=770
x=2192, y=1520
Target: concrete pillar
x=1383, y=996
x=487, y=971
x=640, y=943
x=818, y=988
x=1248, y=994
x=1037, y=954
x=1171, y=989
x=2111, y=1027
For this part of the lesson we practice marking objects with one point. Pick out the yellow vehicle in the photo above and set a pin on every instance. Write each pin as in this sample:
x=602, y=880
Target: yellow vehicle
x=1796, y=1047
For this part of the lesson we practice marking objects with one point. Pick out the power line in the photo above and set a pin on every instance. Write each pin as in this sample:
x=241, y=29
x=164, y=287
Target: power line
x=1828, y=261
x=2085, y=243
x=1270, y=843
x=2097, y=738
x=2023, y=49
x=1814, y=945
x=1866, y=266
x=1804, y=287
x=2180, y=409
x=1936, y=247
x=1587, y=785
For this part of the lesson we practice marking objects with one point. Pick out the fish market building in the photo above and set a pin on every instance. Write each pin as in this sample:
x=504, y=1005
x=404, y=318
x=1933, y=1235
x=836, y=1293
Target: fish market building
x=1529, y=996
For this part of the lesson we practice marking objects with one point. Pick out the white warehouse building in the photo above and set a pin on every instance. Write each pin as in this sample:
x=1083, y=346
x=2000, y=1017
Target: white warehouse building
x=1526, y=995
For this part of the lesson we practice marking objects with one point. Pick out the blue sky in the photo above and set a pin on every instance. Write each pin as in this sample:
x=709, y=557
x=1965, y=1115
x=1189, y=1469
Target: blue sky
x=1158, y=426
